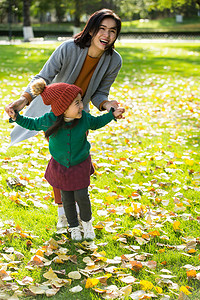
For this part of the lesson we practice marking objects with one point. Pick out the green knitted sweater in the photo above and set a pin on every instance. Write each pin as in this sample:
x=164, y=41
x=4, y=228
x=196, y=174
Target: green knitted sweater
x=69, y=146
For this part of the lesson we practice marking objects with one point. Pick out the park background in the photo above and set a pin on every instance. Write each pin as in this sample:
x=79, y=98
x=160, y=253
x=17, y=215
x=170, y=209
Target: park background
x=145, y=190
x=47, y=19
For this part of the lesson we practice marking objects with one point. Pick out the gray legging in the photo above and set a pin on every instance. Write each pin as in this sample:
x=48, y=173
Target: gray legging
x=83, y=200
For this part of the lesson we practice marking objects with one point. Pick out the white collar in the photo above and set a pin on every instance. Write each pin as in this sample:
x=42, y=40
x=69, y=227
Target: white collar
x=68, y=119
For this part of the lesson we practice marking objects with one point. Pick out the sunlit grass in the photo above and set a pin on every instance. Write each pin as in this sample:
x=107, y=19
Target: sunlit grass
x=154, y=150
x=163, y=59
x=161, y=25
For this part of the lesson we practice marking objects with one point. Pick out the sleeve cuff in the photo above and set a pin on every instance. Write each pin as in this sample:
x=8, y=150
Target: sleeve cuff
x=17, y=115
x=101, y=105
x=112, y=110
x=28, y=97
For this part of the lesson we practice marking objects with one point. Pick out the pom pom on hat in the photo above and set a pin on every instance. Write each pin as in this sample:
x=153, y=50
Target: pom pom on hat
x=58, y=95
x=38, y=86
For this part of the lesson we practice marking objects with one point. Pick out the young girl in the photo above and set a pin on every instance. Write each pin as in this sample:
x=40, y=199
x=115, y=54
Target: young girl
x=70, y=167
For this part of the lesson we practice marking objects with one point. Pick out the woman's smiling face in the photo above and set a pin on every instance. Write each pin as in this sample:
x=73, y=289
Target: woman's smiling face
x=104, y=38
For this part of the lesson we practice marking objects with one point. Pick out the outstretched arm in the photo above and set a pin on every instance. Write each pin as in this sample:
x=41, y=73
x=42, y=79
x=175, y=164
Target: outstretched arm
x=41, y=123
x=16, y=105
x=51, y=68
x=101, y=121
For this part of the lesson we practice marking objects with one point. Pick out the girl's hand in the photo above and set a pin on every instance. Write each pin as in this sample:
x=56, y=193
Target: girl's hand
x=118, y=113
x=12, y=114
x=107, y=105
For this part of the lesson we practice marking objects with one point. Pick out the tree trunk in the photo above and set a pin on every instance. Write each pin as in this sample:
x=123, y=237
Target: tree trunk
x=27, y=29
x=77, y=22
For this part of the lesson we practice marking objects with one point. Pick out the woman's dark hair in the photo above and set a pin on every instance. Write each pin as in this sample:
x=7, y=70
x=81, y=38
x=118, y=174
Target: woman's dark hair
x=83, y=38
x=59, y=123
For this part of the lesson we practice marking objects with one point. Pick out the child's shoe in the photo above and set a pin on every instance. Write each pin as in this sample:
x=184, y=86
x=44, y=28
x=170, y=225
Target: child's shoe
x=88, y=230
x=75, y=233
x=62, y=222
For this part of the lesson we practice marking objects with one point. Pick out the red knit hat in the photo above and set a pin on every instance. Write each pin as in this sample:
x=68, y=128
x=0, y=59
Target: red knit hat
x=58, y=95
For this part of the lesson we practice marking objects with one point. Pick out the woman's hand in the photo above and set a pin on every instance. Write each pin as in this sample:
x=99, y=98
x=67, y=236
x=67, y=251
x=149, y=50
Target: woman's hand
x=16, y=105
x=108, y=104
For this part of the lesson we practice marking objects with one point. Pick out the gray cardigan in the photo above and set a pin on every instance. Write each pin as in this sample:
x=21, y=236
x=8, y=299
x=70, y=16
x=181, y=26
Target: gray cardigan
x=64, y=65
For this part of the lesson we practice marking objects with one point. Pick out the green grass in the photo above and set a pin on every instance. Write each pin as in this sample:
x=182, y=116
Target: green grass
x=152, y=154
x=162, y=25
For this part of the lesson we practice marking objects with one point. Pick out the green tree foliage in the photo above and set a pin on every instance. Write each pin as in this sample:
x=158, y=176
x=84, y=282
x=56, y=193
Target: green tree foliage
x=76, y=9
x=135, y=9
x=172, y=4
x=184, y=7
x=3, y=9
x=11, y=10
x=40, y=8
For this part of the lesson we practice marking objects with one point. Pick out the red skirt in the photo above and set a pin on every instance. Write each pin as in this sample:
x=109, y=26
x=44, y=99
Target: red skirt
x=69, y=179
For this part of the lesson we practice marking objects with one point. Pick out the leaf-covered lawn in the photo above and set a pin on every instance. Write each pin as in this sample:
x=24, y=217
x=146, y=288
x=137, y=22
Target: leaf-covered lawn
x=145, y=191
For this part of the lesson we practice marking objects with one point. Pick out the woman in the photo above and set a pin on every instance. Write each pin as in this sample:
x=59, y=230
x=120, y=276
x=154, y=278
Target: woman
x=88, y=61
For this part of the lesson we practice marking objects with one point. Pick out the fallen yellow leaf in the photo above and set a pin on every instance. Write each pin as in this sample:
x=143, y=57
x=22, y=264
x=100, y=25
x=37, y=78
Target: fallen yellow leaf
x=146, y=285
x=91, y=282
x=191, y=274
x=185, y=290
x=50, y=275
x=158, y=289
x=176, y=225
x=192, y=251
x=154, y=233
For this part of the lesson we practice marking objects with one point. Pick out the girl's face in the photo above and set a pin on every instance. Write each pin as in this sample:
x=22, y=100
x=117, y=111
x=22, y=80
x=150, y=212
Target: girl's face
x=104, y=38
x=74, y=111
